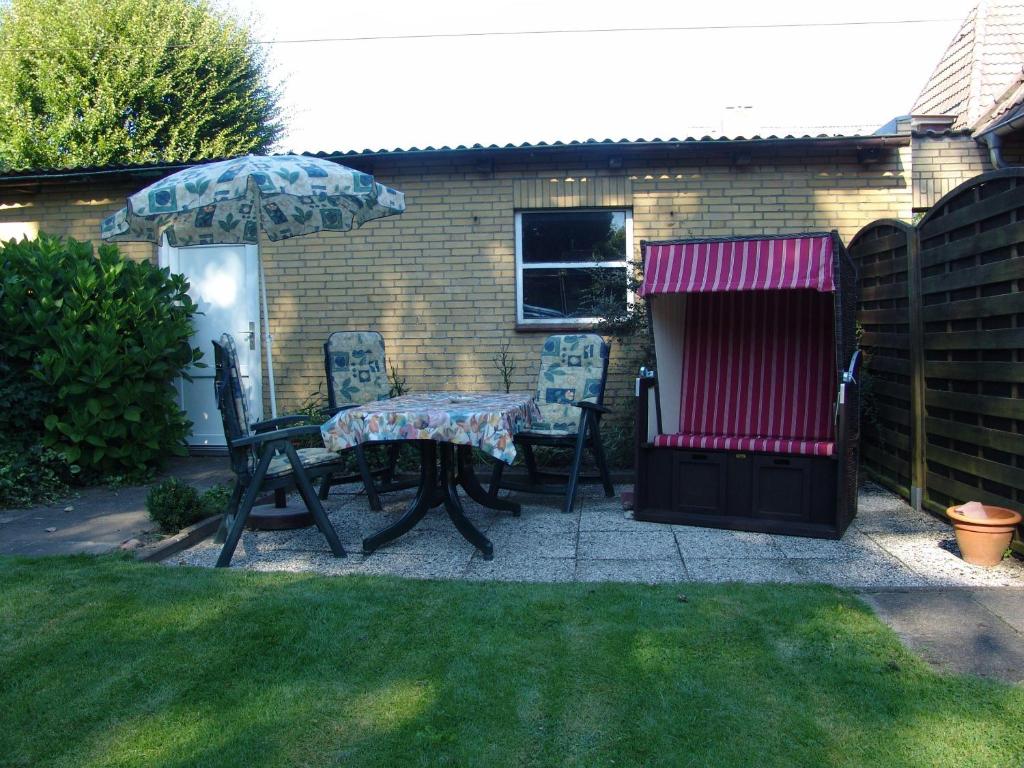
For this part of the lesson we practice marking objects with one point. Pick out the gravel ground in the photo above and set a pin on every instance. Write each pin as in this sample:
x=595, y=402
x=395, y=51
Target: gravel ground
x=889, y=545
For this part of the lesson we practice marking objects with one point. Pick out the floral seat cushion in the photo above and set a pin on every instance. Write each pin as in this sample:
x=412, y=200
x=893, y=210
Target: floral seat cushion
x=572, y=369
x=357, y=371
x=310, y=457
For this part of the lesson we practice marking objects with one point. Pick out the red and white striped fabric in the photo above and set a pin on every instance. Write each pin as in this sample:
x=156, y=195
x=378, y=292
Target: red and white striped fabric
x=774, y=264
x=759, y=373
x=762, y=444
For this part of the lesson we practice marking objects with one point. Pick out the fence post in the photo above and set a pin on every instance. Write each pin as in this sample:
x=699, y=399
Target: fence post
x=915, y=332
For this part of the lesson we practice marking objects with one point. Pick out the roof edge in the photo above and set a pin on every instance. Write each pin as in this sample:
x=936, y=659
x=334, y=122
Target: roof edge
x=161, y=168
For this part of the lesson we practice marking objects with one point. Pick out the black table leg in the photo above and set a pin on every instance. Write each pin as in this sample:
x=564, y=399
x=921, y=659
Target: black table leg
x=435, y=490
x=426, y=497
x=451, y=502
x=469, y=482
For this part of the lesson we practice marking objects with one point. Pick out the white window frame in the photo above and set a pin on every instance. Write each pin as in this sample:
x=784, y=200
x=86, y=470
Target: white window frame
x=626, y=262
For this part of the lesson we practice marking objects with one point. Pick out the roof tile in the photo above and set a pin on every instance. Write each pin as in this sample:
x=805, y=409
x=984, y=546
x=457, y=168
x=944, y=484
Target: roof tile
x=984, y=57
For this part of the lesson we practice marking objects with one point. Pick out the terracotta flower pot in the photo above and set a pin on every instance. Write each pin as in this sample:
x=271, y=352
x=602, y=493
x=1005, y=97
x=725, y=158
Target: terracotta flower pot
x=982, y=532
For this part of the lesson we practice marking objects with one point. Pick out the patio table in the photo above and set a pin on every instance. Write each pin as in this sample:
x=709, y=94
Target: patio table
x=446, y=426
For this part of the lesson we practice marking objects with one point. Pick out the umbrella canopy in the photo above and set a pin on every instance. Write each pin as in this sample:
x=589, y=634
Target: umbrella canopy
x=229, y=201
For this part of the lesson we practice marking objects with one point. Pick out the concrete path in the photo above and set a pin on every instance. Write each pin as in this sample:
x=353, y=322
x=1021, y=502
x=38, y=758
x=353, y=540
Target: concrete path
x=97, y=520
x=966, y=631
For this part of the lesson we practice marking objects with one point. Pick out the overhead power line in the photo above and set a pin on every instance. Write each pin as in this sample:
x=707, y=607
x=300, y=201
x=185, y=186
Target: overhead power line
x=605, y=30
x=593, y=31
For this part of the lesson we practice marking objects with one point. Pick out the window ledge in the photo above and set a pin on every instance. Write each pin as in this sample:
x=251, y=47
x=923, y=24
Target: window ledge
x=555, y=328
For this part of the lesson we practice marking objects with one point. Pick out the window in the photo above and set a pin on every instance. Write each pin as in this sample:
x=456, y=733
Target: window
x=560, y=255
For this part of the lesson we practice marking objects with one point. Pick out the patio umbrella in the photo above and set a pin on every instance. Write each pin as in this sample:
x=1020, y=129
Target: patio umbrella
x=229, y=202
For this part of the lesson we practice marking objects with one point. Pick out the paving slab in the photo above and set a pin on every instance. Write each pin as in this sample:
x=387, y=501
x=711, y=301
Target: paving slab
x=610, y=519
x=526, y=542
x=1008, y=605
x=419, y=565
x=509, y=567
x=905, y=563
x=653, y=543
x=870, y=569
x=752, y=570
x=706, y=543
x=853, y=544
x=642, y=571
x=953, y=631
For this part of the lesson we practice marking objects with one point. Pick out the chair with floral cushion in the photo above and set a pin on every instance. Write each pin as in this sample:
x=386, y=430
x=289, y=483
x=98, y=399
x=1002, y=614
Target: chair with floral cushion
x=570, y=396
x=263, y=457
x=357, y=373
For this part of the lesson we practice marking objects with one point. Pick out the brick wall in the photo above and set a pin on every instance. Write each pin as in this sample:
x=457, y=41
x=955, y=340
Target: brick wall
x=439, y=281
x=942, y=162
x=70, y=211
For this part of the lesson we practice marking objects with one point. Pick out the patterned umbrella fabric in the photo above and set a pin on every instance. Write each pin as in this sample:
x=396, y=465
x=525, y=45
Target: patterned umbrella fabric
x=228, y=202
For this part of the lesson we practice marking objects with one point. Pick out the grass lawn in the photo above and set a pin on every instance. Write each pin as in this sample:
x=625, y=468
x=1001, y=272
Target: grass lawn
x=105, y=662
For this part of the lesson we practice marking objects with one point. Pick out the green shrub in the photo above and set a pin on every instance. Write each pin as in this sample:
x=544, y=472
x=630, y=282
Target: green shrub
x=214, y=500
x=31, y=474
x=95, y=342
x=25, y=402
x=174, y=504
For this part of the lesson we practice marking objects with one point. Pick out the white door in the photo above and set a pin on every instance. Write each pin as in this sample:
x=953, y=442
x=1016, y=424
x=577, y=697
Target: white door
x=224, y=282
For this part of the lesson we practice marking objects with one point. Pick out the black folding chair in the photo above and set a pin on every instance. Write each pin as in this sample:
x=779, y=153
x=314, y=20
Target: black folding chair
x=263, y=457
x=570, y=396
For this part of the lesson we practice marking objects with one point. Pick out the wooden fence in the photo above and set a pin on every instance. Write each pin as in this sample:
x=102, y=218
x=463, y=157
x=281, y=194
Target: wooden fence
x=885, y=253
x=942, y=328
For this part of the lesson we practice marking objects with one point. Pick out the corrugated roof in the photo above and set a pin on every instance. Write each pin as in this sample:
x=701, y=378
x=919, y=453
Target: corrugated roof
x=985, y=55
x=139, y=168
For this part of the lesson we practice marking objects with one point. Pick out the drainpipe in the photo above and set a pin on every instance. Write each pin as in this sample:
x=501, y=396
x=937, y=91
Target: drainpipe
x=993, y=139
x=994, y=142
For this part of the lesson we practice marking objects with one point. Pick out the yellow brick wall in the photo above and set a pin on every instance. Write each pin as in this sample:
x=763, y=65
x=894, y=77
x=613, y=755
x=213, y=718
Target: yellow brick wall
x=69, y=211
x=439, y=281
x=942, y=162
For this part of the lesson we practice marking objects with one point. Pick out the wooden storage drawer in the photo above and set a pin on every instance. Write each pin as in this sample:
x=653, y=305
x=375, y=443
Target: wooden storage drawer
x=796, y=488
x=781, y=487
x=700, y=482
x=770, y=493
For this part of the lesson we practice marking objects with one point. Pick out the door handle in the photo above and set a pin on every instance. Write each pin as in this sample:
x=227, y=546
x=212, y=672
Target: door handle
x=251, y=333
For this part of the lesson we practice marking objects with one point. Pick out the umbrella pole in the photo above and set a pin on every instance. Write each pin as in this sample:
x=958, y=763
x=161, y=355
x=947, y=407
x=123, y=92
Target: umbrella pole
x=268, y=338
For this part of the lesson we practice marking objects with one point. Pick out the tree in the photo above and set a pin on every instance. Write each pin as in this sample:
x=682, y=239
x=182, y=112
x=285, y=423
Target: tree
x=95, y=82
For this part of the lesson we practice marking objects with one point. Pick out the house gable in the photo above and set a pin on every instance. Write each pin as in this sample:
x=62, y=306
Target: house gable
x=983, y=58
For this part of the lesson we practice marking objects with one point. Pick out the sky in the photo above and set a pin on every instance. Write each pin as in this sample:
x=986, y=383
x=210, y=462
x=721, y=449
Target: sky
x=435, y=91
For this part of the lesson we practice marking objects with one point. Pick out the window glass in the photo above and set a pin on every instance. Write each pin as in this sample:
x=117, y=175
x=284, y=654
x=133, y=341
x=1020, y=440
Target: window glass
x=565, y=293
x=580, y=236
x=566, y=258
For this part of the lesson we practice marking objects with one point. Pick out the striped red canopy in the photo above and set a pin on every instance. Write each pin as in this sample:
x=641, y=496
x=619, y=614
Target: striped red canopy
x=765, y=264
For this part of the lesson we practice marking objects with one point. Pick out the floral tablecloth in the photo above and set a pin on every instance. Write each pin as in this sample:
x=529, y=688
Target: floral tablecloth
x=483, y=420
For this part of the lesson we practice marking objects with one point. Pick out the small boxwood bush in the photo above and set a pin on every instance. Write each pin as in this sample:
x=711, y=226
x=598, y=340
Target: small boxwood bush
x=95, y=342
x=173, y=504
